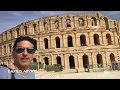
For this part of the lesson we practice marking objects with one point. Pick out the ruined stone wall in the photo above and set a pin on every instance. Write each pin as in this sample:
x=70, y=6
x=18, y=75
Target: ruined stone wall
x=73, y=40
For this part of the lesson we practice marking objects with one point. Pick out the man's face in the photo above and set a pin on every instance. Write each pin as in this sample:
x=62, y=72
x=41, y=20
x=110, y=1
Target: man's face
x=21, y=55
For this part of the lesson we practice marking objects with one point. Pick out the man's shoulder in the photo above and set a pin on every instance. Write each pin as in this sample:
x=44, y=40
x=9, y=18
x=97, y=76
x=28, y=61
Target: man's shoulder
x=4, y=72
x=3, y=68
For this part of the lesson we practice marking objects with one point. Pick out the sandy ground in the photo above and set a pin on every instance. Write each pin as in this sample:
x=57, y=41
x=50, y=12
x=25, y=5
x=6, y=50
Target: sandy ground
x=81, y=75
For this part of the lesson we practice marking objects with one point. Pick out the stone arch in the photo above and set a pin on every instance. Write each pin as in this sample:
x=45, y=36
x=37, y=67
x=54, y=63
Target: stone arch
x=71, y=62
x=113, y=62
x=96, y=39
x=5, y=49
x=8, y=35
x=108, y=39
x=70, y=41
x=68, y=23
x=57, y=42
x=58, y=58
x=99, y=61
x=45, y=26
x=35, y=28
x=85, y=61
x=25, y=30
x=17, y=32
x=56, y=24
x=0, y=50
x=46, y=43
x=10, y=48
x=46, y=61
x=34, y=60
x=83, y=40
x=80, y=22
x=112, y=57
x=106, y=22
x=93, y=21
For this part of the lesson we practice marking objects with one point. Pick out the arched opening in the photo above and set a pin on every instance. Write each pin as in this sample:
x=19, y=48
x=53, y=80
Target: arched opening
x=94, y=21
x=17, y=30
x=45, y=26
x=68, y=23
x=58, y=60
x=46, y=60
x=57, y=42
x=99, y=61
x=80, y=22
x=112, y=57
x=34, y=60
x=4, y=49
x=108, y=39
x=25, y=28
x=46, y=43
x=85, y=61
x=56, y=24
x=34, y=27
x=10, y=50
x=70, y=42
x=106, y=22
x=83, y=40
x=96, y=39
x=71, y=62
x=113, y=62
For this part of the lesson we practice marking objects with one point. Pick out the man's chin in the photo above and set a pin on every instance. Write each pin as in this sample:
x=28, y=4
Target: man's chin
x=25, y=64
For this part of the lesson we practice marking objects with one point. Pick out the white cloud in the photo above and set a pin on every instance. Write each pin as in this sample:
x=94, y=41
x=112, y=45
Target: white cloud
x=113, y=13
x=15, y=13
x=48, y=13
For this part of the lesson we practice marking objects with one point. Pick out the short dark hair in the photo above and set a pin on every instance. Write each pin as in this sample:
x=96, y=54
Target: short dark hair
x=22, y=38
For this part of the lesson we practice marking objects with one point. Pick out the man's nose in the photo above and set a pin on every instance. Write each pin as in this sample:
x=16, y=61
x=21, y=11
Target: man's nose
x=25, y=52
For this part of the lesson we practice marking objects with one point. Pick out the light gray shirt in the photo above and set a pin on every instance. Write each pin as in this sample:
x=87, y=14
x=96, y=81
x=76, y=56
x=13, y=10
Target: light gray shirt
x=5, y=73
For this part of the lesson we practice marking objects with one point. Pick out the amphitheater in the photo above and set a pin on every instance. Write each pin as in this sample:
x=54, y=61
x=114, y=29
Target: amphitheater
x=76, y=41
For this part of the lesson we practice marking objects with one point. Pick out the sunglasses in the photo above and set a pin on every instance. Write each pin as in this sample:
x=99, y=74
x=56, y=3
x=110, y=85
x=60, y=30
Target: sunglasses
x=21, y=49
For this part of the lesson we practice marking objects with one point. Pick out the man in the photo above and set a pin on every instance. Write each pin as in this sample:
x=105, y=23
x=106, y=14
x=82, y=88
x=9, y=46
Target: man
x=23, y=52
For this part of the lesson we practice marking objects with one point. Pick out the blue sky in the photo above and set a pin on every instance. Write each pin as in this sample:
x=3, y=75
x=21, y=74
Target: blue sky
x=9, y=19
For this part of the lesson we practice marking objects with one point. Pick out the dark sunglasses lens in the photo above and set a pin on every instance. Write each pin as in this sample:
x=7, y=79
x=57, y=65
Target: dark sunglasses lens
x=30, y=50
x=19, y=49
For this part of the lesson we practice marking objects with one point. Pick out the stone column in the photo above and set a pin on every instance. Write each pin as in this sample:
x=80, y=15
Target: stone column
x=76, y=22
x=53, y=43
x=91, y=39
x=66, y=62
x=78, y=40
x=52, y=25
x=89, y=22
x=63, y=23
x=52, y=59
x=62, y=41
x=87, y=39
x=104, y=38
x=65, y=41
x=104, y=59
x=115, y=38
x=72, y=23
x=94, y=60
x=81, y=68
x=49, y=42
x=107, y=57
x=41, y=25
x=76, y=60
x=74, y=40
x=100, y=38
x=62, y=60
x=60, y=24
